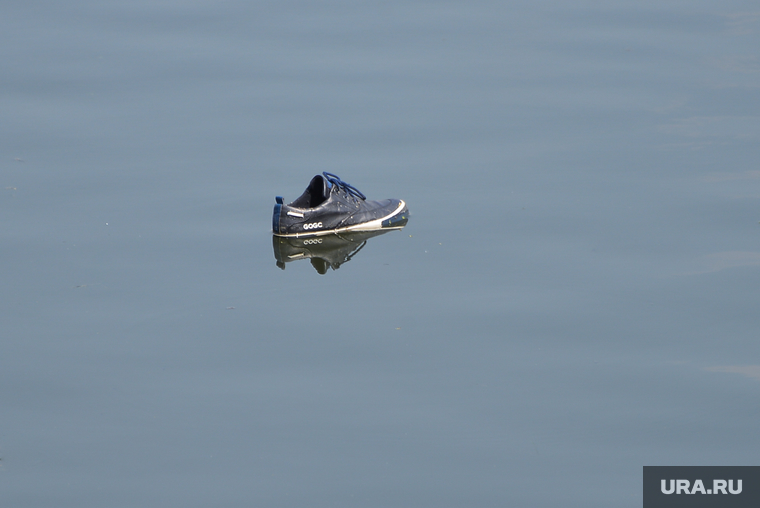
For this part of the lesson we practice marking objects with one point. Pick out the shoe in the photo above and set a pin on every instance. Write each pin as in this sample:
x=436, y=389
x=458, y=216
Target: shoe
x=324, y=252
x=330, y=205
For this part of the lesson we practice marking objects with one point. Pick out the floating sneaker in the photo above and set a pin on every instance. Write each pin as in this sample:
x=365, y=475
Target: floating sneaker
x=324, y=252
x=330, y=205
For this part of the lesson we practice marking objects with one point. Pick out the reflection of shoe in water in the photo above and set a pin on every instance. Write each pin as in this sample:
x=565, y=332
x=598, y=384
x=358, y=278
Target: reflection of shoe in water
x=328, y=251
x=330, y=205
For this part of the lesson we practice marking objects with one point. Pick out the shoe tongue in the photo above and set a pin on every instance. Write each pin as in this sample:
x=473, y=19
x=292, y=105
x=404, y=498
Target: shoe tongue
x=326, y=185
x=319, y=186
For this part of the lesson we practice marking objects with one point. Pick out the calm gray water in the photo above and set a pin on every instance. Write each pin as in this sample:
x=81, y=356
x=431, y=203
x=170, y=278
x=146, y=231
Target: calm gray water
x=574, y=297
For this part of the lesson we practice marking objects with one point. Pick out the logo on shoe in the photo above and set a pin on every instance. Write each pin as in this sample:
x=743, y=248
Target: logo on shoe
x=313, y=241
x=312, y=225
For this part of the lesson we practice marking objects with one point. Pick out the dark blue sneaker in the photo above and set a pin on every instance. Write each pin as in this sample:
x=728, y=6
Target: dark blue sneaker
x=330, y=205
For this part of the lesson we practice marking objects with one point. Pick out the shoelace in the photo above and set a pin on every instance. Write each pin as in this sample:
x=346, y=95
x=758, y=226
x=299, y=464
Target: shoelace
x=348, y=189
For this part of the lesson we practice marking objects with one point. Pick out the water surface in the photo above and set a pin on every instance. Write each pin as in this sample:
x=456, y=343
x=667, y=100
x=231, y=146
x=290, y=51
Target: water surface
x=574, y=296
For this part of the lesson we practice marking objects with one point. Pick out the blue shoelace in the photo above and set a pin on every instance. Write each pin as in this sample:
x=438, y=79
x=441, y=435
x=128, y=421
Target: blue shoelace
x=348, y=189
